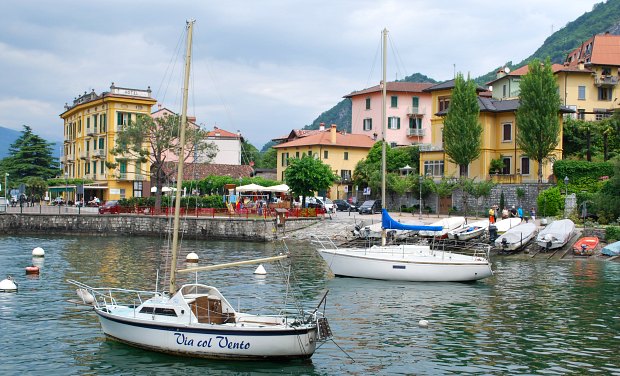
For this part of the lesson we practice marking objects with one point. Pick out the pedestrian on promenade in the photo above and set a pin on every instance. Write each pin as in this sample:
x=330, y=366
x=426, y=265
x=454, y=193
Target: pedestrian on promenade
x=504, y=213
x=533, y=214
x=491, y=215
x=520, y=213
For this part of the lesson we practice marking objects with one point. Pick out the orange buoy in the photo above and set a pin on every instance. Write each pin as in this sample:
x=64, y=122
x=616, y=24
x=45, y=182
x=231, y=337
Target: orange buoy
x=32, y=269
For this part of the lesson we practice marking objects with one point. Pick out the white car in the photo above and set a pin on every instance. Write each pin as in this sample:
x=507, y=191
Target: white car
x=326, y=203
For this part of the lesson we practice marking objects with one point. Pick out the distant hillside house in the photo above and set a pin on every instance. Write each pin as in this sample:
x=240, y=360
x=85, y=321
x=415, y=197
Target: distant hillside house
x=407, y=110
x=339, y=150
x=498, y=141
x=90, y=125
x=587, y=81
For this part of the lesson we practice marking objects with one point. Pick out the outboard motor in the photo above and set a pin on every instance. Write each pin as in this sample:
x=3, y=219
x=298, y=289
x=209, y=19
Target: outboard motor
x=492, y=233
x=504, y=243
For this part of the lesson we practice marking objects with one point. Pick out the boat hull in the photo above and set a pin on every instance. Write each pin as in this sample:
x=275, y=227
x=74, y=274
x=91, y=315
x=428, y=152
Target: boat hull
x=425, y=266
x=211, y=341
x=585, y=246
x=516, y=237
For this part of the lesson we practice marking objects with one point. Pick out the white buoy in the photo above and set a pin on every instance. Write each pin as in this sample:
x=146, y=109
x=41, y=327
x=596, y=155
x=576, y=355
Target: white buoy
x=38, y=252
x=8, y=285
x=192, y=257
x=260, y=270
x=423, y=323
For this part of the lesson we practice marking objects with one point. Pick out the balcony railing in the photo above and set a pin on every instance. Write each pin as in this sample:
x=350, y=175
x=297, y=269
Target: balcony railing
x=430, y=147
x=98, y=153
x=416, y=111
x=606, y=80
x=84, y=155
x=414, y=132
x=139, y=177
x=122, y=176
x=89, y=132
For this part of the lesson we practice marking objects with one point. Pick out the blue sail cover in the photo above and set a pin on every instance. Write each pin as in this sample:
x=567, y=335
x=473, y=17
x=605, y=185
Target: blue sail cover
x=389, y=224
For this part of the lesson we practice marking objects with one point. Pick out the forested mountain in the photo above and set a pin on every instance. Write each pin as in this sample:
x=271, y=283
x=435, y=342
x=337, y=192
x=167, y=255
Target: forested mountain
x=605, y=16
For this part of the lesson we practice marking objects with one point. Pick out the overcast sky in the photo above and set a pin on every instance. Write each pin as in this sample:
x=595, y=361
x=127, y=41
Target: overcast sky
x=262, y=67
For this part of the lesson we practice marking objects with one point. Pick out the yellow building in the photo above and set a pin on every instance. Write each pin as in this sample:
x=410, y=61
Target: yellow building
x=90, y=127
x=498, y=142
x=339, y=150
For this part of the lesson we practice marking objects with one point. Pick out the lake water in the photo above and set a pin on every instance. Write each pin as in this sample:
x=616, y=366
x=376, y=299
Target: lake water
x=531, y=317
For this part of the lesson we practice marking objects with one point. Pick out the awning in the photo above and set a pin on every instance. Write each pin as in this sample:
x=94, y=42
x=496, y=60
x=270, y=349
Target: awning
x=281, y=188
x=251, y=188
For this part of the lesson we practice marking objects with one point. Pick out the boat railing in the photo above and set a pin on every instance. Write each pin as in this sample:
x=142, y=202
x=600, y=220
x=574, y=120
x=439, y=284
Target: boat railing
x=323, y=241
x=103, y=296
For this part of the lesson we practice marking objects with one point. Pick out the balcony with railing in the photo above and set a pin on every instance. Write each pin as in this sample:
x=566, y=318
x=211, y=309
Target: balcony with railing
x=84, y=155
x=90, y=132
x=139, y=177
x=430, y=147
x=100, y=153
x=605, y=80
x=415, y=132
x=69, y=157
x=416, y=111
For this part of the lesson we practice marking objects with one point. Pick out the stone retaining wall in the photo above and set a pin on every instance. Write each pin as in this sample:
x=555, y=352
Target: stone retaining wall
x=260, y=230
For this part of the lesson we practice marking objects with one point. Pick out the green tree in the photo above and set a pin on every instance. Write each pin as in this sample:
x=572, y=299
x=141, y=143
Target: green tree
x=29, y=156
x=537, y=117
x=269, y=159
x=154, y=140
x=306, y=175
x=444, y=189
x=249, y=154
x=397, y=185
x=462, y=129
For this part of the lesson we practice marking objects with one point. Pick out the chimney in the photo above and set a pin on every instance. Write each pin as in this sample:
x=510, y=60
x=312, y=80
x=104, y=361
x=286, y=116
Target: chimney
x=500, y=73
x=333, y=133
x=322, y=127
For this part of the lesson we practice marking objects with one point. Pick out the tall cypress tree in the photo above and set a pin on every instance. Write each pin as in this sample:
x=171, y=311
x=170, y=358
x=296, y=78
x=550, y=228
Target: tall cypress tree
x=538, y=124
x=462, y=129
x=30, y=156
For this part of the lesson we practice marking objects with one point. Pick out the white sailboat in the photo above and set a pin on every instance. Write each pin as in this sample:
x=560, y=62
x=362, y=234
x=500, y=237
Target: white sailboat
x=405, y=262
x=196, y=320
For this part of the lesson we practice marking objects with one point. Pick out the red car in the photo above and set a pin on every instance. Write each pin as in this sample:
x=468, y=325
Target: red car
x=111, y=207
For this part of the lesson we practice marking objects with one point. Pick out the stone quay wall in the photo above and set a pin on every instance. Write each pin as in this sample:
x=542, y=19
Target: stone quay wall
x=511, y=198
x=260, y=230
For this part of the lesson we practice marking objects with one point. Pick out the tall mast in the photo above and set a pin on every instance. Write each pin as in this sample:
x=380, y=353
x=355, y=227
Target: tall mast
x=383, y=128
x=177, y=203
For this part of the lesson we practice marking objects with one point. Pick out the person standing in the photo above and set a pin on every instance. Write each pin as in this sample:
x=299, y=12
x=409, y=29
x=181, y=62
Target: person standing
x=491, y=215
x=533, y=214
x=520, y=213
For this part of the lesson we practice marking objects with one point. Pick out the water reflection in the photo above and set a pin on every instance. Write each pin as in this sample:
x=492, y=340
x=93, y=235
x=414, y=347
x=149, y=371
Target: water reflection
x=530, y=317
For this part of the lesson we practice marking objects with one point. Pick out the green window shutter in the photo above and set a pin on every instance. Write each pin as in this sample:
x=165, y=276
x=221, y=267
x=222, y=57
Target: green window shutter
x=370, y=127
x=119, y=118
x=101, y=144
x=398, y=123
x=394, y=101
x=103, y=119
x=411, y=124
x=415, y=102
x=123, y=167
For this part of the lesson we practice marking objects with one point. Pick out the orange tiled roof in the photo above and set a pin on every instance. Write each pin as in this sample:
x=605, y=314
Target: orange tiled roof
x=324, y=138
x=407, y=87
x=601, y=49
x=218, y=132
x=523, y=71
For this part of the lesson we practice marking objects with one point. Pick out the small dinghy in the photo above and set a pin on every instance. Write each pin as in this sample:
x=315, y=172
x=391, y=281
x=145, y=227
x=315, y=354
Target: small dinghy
x=585, y=246
x=516, y=237
x=470, y=231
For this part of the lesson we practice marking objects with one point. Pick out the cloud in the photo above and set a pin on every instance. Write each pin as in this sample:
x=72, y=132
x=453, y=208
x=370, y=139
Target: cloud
x=259, y=67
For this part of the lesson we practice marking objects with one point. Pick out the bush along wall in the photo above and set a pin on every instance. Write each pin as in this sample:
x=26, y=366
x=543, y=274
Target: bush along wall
x=550, y=202
x=583, y=176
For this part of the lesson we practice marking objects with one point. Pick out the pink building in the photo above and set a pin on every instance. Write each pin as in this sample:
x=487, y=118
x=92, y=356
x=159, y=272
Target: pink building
x=408, y=113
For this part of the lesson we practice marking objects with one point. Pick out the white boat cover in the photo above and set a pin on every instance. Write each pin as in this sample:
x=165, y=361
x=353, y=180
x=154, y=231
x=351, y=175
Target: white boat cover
x=557, y=232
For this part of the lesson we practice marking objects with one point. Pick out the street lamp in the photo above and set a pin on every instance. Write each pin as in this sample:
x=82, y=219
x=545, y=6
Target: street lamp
x=6, y=187
x=66, y=191
x=566, y=184
x=421, y=179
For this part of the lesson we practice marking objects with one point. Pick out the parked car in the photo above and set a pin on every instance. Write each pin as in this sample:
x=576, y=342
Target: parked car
x=370, y=207
x=327, y=204
x=342, y=205
x=58, y=201
x=111, y=207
